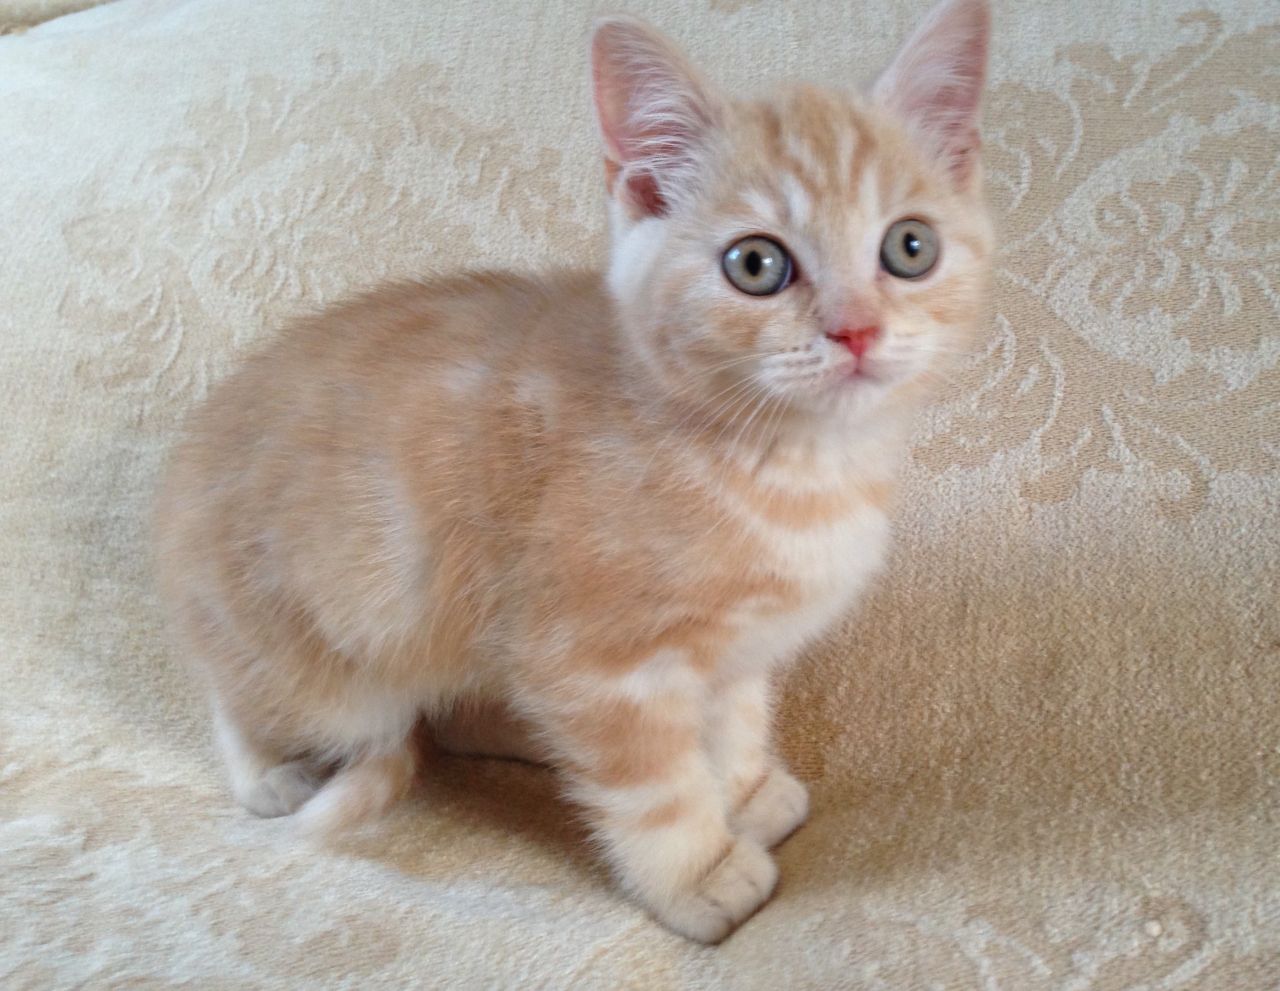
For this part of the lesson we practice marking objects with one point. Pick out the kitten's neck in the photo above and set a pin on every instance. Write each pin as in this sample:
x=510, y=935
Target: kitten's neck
x=766, y=439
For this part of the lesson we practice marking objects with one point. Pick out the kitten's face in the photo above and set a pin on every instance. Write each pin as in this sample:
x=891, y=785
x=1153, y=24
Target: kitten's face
x=827, y=263
x=818, y=252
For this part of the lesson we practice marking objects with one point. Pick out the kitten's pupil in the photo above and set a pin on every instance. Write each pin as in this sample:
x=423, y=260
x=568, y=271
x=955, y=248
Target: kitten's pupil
x=754, y=263
x=911, y=245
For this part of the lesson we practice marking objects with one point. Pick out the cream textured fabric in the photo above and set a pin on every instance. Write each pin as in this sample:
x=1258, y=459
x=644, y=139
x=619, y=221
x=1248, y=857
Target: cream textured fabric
x=1046, y=755
x=18, y=15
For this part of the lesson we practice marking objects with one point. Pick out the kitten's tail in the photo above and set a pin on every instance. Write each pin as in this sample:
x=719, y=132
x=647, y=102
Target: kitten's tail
x=360, y=791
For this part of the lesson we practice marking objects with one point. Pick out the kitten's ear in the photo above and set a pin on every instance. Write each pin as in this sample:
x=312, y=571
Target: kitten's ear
x=655, y=115
x=935, y=83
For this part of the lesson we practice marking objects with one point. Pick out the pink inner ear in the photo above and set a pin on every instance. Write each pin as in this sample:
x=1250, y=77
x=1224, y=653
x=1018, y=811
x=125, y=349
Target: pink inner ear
x=953, y=117
x=641, y=195
x=645, y=197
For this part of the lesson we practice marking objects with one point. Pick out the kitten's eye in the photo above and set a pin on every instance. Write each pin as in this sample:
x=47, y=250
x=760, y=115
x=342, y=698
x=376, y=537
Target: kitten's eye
x=758, y=266
x=909, y=249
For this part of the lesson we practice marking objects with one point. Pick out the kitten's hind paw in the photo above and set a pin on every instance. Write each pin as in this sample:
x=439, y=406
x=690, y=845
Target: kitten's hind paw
x=279, y=790
x=361, y=791
x=774, y=810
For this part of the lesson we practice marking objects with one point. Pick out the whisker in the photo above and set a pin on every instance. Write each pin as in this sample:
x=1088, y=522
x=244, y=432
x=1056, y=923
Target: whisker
x=735, y=393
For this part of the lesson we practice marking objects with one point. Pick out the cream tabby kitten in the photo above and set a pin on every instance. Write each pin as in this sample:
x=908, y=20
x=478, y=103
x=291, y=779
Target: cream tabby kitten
x=583, y=518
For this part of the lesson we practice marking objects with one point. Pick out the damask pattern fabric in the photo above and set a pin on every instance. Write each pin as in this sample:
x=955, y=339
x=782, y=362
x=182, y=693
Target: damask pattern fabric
x=1045, y=756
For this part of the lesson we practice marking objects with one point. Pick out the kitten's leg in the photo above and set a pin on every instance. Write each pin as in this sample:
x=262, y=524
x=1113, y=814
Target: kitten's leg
x=766, y=803
x=264, y=783
x=639, y=768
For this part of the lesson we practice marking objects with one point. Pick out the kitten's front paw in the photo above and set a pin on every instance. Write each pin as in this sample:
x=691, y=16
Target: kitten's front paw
x=733, y=889
x=774, y=811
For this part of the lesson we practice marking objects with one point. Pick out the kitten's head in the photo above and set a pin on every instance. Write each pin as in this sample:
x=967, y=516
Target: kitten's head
x=821, y=250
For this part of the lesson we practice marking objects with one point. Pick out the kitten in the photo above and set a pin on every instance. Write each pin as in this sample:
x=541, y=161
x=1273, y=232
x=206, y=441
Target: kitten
x=584, y=517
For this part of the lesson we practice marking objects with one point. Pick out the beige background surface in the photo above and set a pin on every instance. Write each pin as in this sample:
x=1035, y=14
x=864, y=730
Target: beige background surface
x=1045, y=756
x=19, y=15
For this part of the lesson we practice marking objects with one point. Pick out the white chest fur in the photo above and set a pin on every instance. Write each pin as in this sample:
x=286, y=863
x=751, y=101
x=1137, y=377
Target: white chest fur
x=832, y=565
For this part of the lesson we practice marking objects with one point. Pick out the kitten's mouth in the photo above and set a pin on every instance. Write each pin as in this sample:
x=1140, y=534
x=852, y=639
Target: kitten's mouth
x=862, y=370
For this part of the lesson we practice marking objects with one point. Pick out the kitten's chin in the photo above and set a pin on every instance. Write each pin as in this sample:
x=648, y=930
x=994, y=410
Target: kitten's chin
x=856, y=394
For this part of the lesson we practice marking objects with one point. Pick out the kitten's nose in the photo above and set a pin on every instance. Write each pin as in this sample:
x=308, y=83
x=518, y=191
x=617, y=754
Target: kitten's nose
x=857, y=339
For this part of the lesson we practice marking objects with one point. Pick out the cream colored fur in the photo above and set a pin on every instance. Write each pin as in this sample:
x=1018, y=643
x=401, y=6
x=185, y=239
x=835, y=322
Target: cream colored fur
x=607, y=507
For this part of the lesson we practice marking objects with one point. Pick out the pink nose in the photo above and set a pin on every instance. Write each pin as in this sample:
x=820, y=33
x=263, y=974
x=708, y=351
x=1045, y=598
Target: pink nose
x=857, y=339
